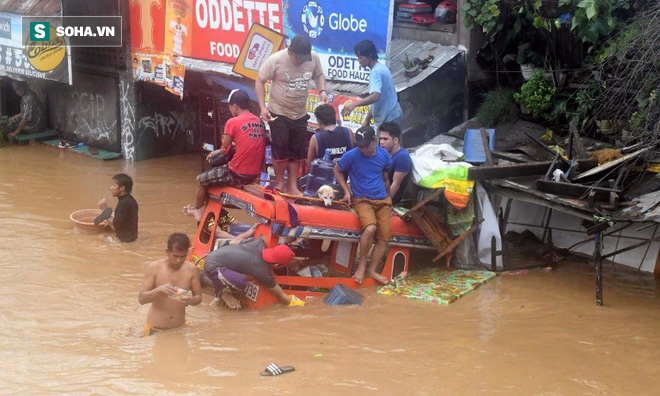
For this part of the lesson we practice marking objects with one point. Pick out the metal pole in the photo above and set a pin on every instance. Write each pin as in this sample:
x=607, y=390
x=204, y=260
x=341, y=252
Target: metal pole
x=599, y=269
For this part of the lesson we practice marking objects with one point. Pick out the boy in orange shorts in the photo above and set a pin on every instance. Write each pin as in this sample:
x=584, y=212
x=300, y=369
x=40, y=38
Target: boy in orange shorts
x=367, y=166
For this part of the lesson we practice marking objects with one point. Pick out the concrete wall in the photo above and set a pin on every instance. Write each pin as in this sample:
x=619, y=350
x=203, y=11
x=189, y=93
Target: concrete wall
x=88, y=111
x=160, y=129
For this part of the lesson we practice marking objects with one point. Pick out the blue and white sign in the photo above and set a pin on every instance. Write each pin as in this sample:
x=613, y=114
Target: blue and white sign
x=335, y=26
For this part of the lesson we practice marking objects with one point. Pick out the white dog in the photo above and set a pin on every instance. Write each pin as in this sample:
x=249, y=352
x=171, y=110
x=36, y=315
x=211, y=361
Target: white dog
x=327, y=194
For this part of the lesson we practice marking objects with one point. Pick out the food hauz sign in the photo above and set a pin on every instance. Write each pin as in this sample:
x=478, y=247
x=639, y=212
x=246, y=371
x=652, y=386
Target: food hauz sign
x=335, y=26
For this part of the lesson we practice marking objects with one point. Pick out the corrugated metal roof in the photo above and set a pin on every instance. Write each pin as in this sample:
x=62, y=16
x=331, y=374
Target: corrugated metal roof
x=32, y=7
x=206, y=66
x=398, y=50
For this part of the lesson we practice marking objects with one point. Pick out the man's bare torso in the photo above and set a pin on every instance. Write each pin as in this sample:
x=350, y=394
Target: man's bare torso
x=165, y=312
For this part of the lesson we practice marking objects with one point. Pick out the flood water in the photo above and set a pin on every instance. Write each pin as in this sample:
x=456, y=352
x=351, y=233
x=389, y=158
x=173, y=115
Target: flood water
x=70, y=321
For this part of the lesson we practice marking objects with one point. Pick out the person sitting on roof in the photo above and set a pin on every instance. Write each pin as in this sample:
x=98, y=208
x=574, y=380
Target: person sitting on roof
x=330, y=136
x=390, y=140
x=229, y=266
x=367, y=166
x=248, y=134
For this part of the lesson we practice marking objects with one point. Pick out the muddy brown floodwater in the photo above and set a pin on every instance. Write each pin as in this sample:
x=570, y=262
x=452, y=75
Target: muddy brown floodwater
x=70, y=320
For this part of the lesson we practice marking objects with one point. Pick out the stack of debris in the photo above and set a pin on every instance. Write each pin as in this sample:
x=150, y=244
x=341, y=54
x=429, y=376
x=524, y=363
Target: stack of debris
x=575, y=179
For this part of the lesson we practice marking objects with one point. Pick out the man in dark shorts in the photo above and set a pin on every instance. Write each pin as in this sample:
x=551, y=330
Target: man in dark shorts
x=330, y=136
x=125, y=218
x=367, y=166
x=228, y=267
x=291, y=71
x=248, y=134
x=390, y=140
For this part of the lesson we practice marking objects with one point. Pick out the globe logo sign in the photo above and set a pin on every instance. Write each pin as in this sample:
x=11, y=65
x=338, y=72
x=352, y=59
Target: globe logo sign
x=312, y=19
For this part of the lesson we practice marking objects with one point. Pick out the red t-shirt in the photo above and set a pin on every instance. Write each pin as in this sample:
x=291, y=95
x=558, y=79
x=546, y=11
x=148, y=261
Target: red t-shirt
x=249, y=134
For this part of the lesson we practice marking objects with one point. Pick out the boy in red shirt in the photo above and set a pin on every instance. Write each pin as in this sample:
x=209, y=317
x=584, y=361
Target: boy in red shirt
x=248, y=134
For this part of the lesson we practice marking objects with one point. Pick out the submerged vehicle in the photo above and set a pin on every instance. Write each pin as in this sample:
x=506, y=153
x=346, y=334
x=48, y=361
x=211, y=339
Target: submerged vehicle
x=329, y=233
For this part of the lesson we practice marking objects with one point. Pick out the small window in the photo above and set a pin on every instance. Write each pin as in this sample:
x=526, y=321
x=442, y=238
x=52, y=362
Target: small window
x=207, y=228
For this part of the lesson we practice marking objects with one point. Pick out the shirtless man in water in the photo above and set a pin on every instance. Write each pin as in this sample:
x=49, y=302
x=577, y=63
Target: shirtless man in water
x=170, y=285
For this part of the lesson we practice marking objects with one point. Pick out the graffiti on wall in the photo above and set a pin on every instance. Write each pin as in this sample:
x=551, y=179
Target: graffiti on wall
x=162, y=125
x=127, y=112
x=89, y=115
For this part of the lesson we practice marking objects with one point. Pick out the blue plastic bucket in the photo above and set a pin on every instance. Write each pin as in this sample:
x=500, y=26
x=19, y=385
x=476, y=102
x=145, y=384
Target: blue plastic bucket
x=473, y=148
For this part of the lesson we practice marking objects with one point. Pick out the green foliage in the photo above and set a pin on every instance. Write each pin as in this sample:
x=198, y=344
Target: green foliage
x=538, y=96
x=498, y=107
x=408, y=63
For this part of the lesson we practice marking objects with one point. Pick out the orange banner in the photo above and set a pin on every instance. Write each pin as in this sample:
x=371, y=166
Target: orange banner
x=178, y=27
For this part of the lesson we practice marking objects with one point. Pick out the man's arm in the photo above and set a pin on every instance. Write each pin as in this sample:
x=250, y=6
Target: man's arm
x=339, y=176
x=397, y=179
x=226, y=142
x=195, y=287
x=260, y=90
x=371, y=99
x=312, y=151
x=320, y=86
x=368, y=117
x=19, y=129
x=386, y=179
x=148, y=291
x=277, y=291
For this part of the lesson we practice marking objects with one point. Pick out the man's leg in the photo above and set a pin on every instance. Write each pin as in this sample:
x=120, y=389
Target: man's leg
x=383, y=211
x=365, y=244
x=279, y=133
x=292, y=181
x=280, y=167
x=200, y=194
x=376, y=256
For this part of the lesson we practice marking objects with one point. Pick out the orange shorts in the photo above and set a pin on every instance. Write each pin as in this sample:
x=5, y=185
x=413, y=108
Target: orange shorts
x=377, y=212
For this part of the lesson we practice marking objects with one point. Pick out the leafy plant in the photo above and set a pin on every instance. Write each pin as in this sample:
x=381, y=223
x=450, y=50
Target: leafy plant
x=408, y=63
x=537, y=95
x=498, y=107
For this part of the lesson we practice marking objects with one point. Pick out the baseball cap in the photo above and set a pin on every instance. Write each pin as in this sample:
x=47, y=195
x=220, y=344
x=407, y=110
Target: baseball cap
x=280, y=254
x=301, y=48
x=364, y=136
x=238, y=97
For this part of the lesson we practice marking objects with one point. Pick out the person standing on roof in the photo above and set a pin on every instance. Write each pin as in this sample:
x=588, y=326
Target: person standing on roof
x=382, y=92
x=291, y=71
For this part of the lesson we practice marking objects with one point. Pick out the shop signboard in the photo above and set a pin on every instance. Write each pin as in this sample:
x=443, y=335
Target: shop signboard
x=335, y=26
x=159, y=68
x=261, y=43
x=48, y=60
x=220, y=27
x=353, y=121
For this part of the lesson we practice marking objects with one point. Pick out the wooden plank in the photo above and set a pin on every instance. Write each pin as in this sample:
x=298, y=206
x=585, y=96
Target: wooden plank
x=611, y=164
x=485, y=141
x=458, y=240
x=423, y=202
x=41, y=135
x=518, y=170
x=575, y=190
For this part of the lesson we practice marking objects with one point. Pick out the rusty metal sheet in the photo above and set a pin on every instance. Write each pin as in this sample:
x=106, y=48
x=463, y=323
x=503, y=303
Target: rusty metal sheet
x=32, y=7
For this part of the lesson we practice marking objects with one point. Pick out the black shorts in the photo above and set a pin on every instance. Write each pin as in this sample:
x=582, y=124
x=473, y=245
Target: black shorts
x=222, y=176
x=289, y=138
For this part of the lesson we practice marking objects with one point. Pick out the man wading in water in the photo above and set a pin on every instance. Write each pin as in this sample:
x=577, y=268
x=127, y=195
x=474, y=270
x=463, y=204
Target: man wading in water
x=170, y=285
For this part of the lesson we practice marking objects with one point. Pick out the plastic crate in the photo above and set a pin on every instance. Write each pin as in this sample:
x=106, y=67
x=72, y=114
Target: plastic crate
x=342, y=295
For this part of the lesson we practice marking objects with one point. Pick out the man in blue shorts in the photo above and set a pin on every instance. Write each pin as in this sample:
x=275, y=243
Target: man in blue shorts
x=367, y=166
x=382, y=92
x=390, y=140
